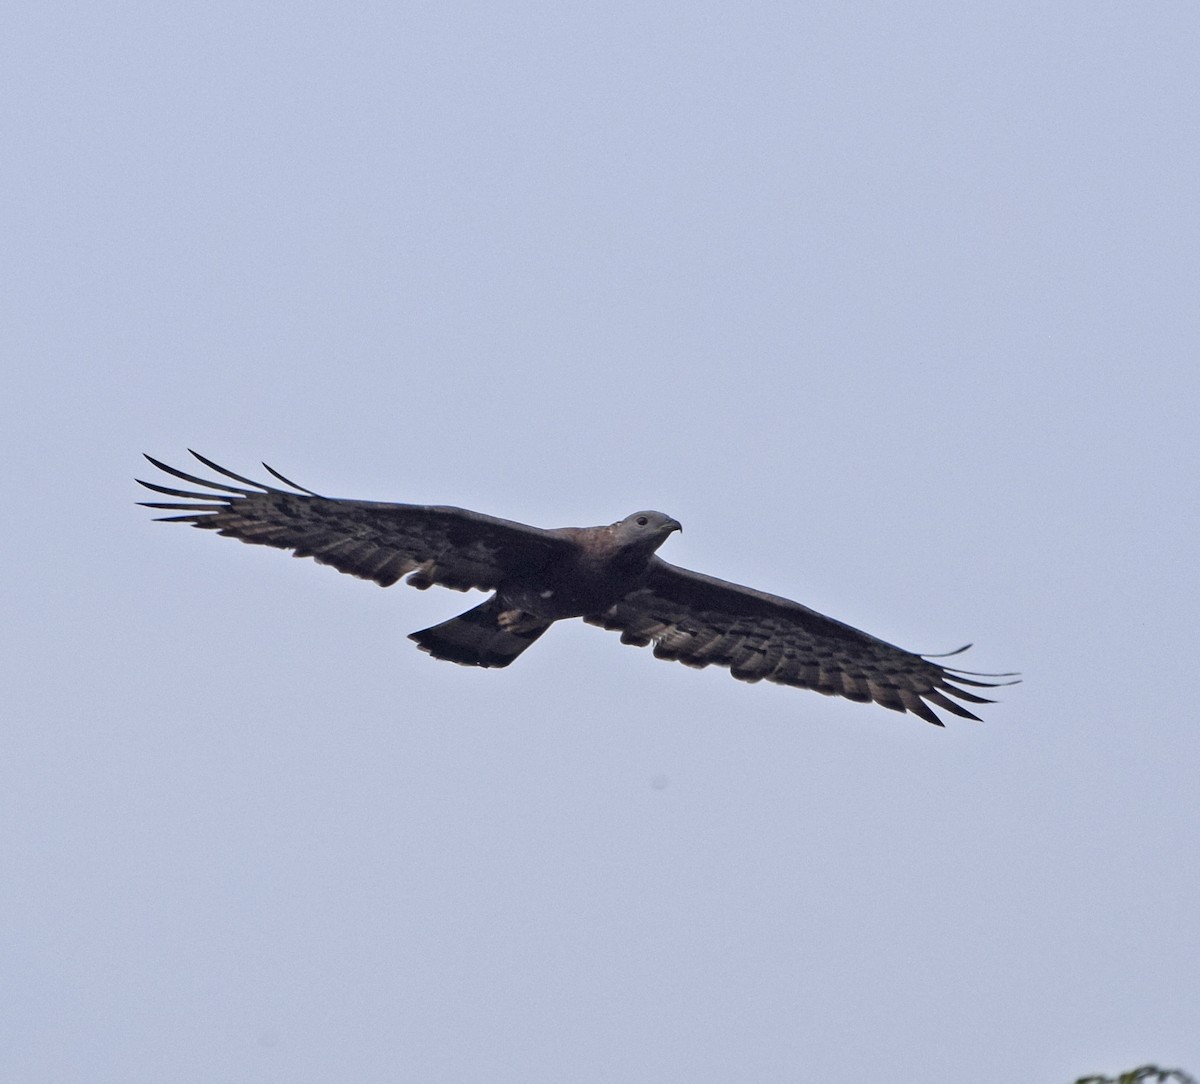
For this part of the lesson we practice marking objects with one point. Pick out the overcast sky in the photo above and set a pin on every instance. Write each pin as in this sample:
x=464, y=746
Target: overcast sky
x=893, y=306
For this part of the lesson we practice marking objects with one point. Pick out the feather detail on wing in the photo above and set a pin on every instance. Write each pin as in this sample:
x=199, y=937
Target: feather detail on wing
x=450, y=547
x=701, y=621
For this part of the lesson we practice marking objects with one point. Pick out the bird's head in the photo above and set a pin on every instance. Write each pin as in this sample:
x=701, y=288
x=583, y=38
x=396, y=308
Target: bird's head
x=647, y=530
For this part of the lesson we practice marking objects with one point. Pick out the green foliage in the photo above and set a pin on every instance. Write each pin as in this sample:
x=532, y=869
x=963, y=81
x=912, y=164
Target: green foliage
x=1147, y=1074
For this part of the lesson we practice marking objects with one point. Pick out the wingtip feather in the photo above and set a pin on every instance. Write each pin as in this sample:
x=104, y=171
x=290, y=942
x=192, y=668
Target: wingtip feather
x=288, y=481
x=947, y=654
x=177, y=473
x=228, y=473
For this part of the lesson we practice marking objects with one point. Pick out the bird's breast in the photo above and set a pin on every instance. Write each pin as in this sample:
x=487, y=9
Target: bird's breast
x=574, y=589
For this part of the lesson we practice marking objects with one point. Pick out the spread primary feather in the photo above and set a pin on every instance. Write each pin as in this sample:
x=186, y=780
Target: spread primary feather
x=609, y=576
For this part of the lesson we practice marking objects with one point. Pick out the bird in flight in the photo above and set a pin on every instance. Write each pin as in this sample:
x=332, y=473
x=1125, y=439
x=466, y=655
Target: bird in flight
x=609, y=576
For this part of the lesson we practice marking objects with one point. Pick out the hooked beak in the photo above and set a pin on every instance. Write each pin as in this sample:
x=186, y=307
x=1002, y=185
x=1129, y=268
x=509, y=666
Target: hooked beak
x=672, y=525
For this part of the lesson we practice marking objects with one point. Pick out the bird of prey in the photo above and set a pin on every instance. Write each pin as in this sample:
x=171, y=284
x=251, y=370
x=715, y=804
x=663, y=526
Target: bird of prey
x=609, y=576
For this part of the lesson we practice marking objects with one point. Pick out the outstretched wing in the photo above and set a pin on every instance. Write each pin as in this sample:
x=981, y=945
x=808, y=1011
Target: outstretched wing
x=701, y=621
x=450, y=547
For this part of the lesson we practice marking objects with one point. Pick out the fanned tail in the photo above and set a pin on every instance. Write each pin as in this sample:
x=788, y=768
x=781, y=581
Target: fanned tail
x=485, y=636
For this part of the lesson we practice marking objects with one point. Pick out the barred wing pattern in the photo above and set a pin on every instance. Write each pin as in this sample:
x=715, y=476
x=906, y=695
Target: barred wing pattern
x=701, y=621
x=450, y=547
x=695, y=619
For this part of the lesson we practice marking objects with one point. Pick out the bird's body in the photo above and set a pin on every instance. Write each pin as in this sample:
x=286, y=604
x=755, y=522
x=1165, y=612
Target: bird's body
x=610, y=576
x=593, y=570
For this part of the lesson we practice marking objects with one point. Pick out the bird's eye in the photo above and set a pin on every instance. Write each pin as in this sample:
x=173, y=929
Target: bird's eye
x=642, y=521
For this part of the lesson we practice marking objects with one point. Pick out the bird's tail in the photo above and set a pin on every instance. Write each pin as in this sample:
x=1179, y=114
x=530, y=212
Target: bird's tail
x=485, y=636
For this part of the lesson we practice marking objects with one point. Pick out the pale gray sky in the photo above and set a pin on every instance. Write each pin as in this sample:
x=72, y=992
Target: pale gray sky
x=894, y=306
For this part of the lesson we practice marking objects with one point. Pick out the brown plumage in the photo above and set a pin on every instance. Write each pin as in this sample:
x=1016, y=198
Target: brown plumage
x=609, y=576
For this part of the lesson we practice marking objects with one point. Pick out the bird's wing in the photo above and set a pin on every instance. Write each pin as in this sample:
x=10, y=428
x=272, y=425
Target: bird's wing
x=451, y=547
x=702, y=621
